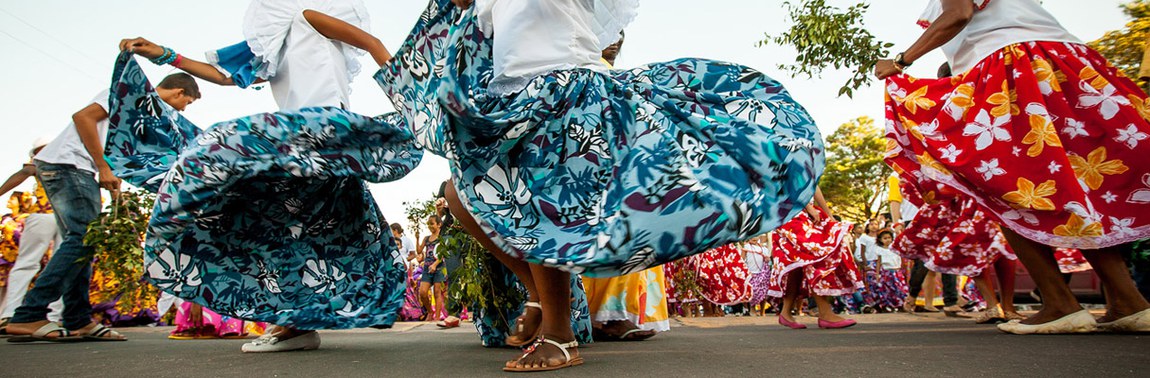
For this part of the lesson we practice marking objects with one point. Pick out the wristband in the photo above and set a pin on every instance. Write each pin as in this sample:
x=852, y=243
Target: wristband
x=898, y=59
x=176, y=63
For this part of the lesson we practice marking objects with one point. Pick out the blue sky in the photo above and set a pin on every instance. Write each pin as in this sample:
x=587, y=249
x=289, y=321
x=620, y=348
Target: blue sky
x=58, y=54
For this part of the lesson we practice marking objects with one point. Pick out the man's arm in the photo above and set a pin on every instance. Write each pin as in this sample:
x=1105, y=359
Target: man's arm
x=17, y=178
x=204, y=71
x=86, y=120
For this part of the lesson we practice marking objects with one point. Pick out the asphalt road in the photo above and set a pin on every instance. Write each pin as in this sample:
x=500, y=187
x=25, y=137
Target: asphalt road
x=885, y=345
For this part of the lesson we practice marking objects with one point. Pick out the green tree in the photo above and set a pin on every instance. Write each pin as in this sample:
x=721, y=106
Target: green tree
x=1124, y=47
x=826, y=36
x=855, y=173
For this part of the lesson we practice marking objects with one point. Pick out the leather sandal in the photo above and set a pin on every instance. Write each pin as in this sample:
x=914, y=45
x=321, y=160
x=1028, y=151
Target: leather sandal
x=568, y=360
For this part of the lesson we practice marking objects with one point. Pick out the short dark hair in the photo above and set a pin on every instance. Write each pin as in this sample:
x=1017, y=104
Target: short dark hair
x=395, y=227
x=183, y=81
x=944, y=71
x=885, y=231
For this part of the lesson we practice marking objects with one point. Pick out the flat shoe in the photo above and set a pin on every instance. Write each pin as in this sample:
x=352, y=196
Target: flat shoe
x=1078, y=322
x=271, y=344
x=1137, y=323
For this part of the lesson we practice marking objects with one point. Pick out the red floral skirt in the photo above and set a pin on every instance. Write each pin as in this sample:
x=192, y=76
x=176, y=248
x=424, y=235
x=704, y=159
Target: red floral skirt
x=722, y=275
x=953, y=236
x=826, y=262
x=1049, y=137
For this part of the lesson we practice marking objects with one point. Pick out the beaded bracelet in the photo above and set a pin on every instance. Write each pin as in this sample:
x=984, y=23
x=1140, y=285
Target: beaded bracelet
x=168, y=57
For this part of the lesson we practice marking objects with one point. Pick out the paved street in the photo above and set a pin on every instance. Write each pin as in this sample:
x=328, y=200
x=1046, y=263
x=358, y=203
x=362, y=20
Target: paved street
x=882, y=345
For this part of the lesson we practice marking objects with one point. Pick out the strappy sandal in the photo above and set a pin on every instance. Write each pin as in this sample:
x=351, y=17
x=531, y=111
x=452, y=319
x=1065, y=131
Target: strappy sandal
x=633, y=334
x=101, y=333
x=42, y=335
x=569, y=362
x=519, y=328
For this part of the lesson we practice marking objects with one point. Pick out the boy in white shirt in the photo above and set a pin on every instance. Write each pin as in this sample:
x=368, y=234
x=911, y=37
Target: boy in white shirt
x=72, y=170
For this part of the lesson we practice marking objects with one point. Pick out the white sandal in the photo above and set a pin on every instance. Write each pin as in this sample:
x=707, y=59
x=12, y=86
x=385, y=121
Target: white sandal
x=519, y=327
x=568, y=361
x=42, y=333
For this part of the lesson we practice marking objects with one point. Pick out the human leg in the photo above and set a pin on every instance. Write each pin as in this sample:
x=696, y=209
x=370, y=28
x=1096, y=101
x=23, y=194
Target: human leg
x=1122, y=296
x=930, y=287
x=75, y=197
x=527, y=325
x=1057, y=299
x=1005, y=270
x=39, y=232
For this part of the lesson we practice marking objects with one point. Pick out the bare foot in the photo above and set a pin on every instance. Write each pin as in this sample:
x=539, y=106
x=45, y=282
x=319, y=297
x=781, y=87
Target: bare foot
x=543, y=355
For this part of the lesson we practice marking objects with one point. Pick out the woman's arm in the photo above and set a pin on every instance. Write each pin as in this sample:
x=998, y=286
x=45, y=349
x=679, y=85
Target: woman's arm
x=822, y=202
x=956, y=14
x=334, y=28
x=204, y=71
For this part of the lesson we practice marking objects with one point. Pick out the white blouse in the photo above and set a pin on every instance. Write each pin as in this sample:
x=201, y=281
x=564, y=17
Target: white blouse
x=534, y=37
x=997, y=24
x=304, y=68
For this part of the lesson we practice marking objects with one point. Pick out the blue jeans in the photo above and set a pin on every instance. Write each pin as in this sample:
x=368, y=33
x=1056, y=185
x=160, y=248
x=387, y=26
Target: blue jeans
x=75, y=198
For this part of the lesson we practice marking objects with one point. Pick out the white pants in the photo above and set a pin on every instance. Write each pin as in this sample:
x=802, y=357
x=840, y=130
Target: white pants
x=40, y=231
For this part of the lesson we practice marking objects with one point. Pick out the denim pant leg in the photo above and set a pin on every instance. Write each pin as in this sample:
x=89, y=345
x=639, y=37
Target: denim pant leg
x=75, y=198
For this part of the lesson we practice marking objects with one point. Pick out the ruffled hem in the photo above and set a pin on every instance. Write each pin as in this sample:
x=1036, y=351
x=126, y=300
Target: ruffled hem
x=984, y=147
x=581, y=170
x=611, y=17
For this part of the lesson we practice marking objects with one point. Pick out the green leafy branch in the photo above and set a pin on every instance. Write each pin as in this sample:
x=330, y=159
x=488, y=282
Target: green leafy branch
x=826, y=36
x=117, y=235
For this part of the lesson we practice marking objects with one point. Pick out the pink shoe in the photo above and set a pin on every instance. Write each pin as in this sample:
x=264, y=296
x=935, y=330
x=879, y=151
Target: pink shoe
x=791, y=324
x=836, y=325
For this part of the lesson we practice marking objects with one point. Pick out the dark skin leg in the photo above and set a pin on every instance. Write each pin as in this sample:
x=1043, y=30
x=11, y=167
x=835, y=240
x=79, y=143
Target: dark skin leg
x=548, y=286
x=791, y=296
x=1122, y=296
x=1004, y=268
x=532, y=316
x=1057, y=299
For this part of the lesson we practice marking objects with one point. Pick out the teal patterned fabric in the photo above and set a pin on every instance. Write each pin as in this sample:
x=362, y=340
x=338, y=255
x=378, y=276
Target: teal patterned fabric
x=606, y=174
x=266, y=217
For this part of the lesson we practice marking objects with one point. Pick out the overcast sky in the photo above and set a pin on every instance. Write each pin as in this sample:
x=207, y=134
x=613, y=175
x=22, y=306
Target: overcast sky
x=58, y=54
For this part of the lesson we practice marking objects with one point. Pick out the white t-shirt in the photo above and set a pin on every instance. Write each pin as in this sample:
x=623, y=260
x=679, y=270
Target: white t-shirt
x=534, y=37
x=890, y=260
x=868, y=242
x=408, y=247
x=67, y=147
x=998, y=24
x=304, y=68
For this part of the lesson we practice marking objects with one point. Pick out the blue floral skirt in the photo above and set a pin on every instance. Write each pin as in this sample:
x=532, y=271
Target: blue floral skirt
x=606, y=173
x=265, y=217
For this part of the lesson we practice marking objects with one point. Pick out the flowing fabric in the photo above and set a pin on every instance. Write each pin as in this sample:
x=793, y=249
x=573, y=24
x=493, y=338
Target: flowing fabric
x=640, y=297
x=722, y=275
x=1048, y=137
x=886, y=288
x=211, y=325
x=951, y=235
x=606, y=174
x=266, y=217
x=412, y=309
x=818, y=250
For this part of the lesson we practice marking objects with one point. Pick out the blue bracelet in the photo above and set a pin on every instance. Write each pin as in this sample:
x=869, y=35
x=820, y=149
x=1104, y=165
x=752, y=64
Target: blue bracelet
x=168, y=57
